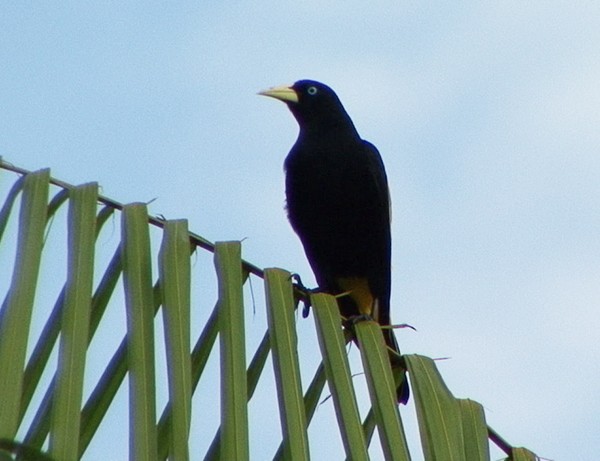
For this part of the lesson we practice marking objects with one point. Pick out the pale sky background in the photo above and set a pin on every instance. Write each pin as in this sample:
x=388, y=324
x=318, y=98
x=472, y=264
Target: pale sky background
x=487, y=115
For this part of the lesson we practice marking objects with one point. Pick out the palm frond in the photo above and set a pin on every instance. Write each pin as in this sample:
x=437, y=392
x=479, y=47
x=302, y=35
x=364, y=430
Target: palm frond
x=73, y=293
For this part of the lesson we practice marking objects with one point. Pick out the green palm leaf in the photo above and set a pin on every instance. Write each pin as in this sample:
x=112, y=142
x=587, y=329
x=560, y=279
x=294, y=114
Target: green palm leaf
x=51, y=402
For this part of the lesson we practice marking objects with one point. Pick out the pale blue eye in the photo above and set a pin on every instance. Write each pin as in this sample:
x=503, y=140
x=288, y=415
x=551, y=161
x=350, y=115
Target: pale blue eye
x=312, y=90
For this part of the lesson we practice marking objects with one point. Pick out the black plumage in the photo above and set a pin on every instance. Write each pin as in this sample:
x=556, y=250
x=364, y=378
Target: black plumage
x=338, y=203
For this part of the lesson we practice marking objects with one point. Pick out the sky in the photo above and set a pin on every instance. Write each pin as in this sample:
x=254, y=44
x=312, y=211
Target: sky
x=486, y=115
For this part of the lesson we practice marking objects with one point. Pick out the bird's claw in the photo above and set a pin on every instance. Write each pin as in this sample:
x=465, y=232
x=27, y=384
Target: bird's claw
x=305, y=308
x=297, y=281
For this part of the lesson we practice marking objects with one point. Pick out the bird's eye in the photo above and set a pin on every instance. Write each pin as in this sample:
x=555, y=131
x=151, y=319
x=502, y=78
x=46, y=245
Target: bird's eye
x=312, y=90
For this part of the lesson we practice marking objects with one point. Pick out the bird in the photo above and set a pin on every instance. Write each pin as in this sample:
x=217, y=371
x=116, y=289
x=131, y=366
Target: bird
x=338, y=203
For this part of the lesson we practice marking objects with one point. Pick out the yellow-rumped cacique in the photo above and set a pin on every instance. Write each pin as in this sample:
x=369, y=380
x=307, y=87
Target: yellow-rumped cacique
x=338, y=202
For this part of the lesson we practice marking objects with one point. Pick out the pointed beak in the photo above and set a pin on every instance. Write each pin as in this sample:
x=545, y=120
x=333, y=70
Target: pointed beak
x=284, y=93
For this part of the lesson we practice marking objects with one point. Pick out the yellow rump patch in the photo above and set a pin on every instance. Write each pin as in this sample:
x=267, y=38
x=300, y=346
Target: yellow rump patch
x=358, y=289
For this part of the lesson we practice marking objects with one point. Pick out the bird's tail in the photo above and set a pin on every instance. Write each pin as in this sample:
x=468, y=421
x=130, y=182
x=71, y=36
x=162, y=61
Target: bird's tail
x=398, y=366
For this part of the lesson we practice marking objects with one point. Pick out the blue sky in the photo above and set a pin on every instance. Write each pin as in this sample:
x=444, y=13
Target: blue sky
x=487, y=117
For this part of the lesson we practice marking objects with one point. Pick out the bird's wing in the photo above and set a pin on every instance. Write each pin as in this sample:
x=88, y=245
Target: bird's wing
x=377, y=170
x=380, y=276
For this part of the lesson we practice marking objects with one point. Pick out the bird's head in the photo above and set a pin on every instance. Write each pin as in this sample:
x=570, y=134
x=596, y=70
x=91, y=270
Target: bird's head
x=313, y=104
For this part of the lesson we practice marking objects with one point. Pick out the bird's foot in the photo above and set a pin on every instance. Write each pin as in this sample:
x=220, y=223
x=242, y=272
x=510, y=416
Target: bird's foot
x=354, y=319
x=303, y=293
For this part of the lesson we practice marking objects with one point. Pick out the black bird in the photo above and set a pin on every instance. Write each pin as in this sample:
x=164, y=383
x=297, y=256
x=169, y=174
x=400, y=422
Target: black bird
x=338, y=203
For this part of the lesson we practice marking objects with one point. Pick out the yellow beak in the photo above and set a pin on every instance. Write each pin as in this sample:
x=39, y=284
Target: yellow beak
x=283, y=93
